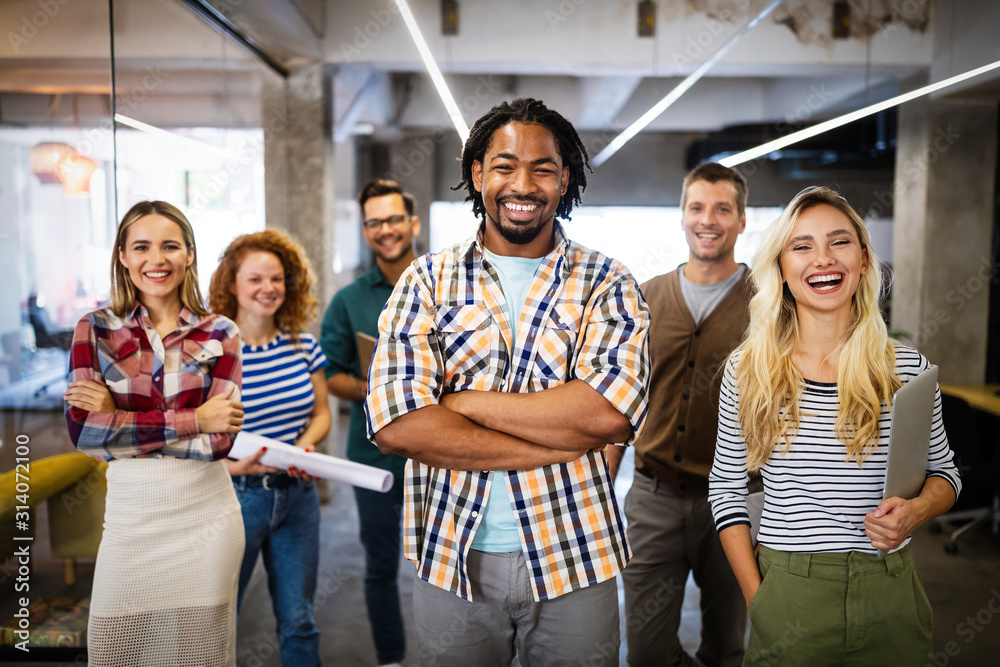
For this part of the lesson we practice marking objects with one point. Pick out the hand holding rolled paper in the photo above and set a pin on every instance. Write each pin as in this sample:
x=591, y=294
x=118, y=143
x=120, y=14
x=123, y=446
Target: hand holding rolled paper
x=284, y=456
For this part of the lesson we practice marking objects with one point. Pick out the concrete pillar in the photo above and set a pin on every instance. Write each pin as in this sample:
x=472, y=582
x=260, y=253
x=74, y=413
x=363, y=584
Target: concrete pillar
x=412, y=161
x=946, y=161
x=299, y=167
x=298, y=184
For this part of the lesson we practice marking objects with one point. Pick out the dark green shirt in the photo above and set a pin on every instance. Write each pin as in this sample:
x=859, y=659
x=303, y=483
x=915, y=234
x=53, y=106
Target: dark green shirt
x=356, y=308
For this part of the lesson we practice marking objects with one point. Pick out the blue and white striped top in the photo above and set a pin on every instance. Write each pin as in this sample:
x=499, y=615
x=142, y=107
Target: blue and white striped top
x=277, y=391
x=814, y=499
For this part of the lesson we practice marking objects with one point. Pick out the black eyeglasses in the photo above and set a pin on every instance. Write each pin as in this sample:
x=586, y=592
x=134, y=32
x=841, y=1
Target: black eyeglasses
x=393, y=221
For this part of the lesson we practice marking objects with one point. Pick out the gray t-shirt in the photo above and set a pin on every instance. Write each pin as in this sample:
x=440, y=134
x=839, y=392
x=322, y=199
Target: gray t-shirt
x=701, y=299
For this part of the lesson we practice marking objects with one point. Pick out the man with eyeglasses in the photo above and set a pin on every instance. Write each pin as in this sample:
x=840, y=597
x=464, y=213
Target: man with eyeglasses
x=388, y=227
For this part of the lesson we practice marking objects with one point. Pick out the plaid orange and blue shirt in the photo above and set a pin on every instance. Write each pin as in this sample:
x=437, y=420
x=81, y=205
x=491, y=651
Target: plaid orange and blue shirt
x=157, y=384
x=445, y=329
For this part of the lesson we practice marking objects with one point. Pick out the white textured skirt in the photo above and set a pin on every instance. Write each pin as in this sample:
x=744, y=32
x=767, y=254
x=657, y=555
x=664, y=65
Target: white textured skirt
x=168, y=566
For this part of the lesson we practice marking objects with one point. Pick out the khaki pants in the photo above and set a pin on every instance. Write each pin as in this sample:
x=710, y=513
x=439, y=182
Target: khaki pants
x=838, y=609
x=578, y=629
x=672, y=535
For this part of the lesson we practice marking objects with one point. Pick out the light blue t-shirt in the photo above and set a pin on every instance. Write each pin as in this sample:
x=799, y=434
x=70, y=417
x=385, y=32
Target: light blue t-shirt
x=498, y=532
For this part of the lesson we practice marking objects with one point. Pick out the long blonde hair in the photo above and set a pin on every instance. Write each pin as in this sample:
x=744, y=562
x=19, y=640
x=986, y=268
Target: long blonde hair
x=123, y=292
x=769, y=383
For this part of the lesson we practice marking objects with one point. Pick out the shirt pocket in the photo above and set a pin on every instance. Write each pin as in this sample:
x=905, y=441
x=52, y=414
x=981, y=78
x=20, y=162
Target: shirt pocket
x=200, y=356
x=120, y=363
x=556, y=347
x=467, y=342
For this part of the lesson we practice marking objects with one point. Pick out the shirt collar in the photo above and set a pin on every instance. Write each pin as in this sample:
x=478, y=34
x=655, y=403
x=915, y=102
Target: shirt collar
x=375, y=277
x=475, y=243
x=185, y=320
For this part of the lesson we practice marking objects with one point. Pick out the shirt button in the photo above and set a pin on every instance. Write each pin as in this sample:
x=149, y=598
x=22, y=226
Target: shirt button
x=475, y=514
x=677, y=457
x=691, y=364
x=697, y=332
x=156, y=378
x=681, y=428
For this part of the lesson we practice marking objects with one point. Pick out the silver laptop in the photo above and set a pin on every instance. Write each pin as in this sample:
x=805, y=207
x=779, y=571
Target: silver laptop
x=755, y=508
x=910, y=437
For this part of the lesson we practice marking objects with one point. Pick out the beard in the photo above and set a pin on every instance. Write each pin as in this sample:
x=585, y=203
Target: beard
x=389, y=257
x=393, y=255
x=518, y=233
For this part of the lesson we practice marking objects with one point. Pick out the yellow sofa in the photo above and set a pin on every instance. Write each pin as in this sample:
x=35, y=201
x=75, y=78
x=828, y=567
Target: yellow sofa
x=75, y=486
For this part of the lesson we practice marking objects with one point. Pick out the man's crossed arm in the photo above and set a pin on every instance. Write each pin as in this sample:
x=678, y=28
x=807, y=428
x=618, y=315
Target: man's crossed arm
x=479, y=430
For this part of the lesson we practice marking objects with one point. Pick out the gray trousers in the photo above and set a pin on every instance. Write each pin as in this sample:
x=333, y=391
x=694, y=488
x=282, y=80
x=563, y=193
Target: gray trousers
x=671, y=536
x=578, y=628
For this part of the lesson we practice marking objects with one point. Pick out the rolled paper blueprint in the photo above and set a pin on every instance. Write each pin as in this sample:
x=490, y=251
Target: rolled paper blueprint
x=284, y=456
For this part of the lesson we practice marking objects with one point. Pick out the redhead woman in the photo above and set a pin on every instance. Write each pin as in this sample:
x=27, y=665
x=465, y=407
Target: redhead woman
x=805, y=402
x=155, y=390
x=264, y=282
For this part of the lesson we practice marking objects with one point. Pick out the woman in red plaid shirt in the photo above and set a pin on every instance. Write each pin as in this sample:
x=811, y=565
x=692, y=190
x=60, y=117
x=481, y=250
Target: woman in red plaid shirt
x=155, y=389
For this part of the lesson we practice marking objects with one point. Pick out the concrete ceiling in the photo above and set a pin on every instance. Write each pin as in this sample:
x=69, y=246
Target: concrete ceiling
x=582, y=57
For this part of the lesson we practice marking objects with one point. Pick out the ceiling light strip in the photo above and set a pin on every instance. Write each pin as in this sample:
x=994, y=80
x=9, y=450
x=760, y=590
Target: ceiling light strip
x=159, y=132
x=681, y=88
x=795, y=137
x=432, y=69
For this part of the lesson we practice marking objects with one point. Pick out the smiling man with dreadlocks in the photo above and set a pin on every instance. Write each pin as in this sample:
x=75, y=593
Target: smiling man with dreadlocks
x=504, y=366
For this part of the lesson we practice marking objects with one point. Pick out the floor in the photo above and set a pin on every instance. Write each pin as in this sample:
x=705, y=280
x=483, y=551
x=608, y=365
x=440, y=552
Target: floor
x=964, y=588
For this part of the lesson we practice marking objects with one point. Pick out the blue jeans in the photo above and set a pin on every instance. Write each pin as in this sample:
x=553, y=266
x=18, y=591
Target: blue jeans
x=380, y=515
x=283, y=525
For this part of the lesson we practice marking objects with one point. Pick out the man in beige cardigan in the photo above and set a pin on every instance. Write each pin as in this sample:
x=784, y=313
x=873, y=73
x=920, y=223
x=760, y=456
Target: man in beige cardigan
x=698, y=313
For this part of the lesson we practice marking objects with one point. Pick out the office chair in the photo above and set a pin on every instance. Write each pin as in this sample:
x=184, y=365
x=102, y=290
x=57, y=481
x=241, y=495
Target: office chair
x=974, y=438
x=46, y=334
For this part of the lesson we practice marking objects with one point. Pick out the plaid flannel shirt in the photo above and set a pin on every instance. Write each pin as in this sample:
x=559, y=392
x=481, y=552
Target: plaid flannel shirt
x=445, y=329
x=157, y=385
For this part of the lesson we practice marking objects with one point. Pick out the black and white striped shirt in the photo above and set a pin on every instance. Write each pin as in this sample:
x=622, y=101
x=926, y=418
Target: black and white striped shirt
x=814, y=498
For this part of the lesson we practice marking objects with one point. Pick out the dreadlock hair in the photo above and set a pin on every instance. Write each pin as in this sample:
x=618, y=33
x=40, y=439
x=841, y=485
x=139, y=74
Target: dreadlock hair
x=527, y=110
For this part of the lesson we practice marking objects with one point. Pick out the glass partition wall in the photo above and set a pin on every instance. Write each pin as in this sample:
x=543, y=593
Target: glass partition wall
x=185, y=127
x=102, y=104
